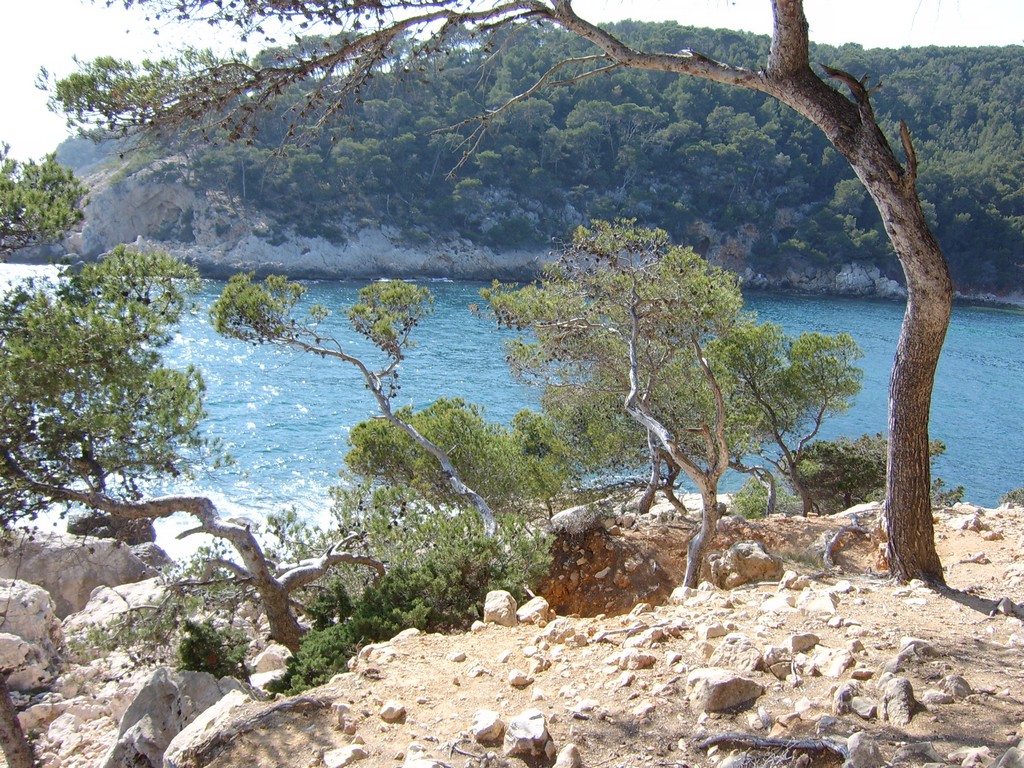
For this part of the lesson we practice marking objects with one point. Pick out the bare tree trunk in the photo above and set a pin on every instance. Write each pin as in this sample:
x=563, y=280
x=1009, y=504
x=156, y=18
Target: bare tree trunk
x=15, y=746
x=698, y=546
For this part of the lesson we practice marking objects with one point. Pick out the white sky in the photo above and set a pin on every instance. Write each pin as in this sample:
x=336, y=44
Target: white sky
x=47, y=33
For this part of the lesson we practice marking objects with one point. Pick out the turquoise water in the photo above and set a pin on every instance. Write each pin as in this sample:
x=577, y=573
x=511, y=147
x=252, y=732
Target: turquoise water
x=285, y=416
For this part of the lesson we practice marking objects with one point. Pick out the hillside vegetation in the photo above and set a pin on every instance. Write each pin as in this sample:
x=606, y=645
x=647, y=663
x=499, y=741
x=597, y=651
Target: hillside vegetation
x=740, y=177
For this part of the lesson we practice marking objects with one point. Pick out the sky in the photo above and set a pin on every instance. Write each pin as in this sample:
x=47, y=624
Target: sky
x=50, y=33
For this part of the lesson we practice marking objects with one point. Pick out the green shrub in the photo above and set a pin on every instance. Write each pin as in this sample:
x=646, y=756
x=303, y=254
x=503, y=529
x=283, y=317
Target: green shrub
x=751, y=501
x=204, y=648
x=440, y=568
x=1013, y=498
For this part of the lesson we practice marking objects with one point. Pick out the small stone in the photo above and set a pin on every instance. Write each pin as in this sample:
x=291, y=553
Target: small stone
x=864, y=708
x=500, y=608
x=811, y=601
x=802, y=642
x=456, y=656
x=635, y=659
x=864, y=752
x=519, y=679
x=392, y=712
x=737, y=651
x=898, y=702
x=343, y=756
x=569, y=757
x=932, y=697
x=956, y=686
x=527, y=736
x=535, y=611
x=718, y=690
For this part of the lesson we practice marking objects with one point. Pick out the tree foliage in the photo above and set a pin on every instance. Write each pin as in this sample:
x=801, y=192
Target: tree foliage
x=514, y=468
x=783, y=388
x=839, y=104
x=86, y=401
x=39, y=202
x=385, y=315
x=625, y=314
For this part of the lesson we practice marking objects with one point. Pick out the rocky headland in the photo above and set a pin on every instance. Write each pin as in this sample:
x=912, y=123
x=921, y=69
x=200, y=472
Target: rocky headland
x=222, y=236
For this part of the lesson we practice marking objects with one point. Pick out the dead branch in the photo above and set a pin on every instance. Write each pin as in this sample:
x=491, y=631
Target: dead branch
x=834, y=541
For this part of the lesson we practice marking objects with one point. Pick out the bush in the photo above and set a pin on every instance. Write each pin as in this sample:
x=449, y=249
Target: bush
x=751, y=501
x=1014, y=498
x=441, y=567
x=204, y=648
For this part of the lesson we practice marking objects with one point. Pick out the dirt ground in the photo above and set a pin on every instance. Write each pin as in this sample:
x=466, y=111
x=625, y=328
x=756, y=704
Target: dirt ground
x=574, y=670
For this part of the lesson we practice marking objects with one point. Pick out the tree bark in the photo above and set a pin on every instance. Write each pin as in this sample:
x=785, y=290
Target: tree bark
x=16, y=748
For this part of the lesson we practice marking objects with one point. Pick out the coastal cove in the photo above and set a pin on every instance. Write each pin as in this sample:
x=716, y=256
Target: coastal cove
x=284, y=417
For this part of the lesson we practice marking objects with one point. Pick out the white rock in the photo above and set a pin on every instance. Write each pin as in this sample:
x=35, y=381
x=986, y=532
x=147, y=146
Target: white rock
x=864, y=752
x=71, y=567
x=738, y=652
x=535, y=611
x=30, y=635
x=500, y=608
x=210, y=721
x=272, y=658
x=569, y=757
x=107, y=604
x=167, y=702
x=527, y=736
x=487, y=726
x=814, y=602
x=343, y=756
x=713, y=689
x=392, y=711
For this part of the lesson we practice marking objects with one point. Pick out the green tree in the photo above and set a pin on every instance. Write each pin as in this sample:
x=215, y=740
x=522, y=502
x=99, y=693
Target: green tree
x=784, y=388
x=89, y=410
x=39, y=202
x=513, y=467
x=180, y=93
x=624, y=312
x=385, y=315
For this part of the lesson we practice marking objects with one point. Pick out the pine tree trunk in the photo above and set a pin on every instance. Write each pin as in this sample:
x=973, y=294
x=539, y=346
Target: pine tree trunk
x=698, y=545
x=15, y=746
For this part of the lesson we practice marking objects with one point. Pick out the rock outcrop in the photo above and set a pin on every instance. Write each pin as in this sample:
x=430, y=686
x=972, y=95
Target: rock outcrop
x=30, y=635
x=70, y=567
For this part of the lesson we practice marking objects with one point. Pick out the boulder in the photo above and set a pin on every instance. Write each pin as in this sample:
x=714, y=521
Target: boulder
x=487, y=727
x=107, y=604
x=863, y=752
x=30, y=635
x=898, y=702
x=213, y=722
x=500, y=608
x=713, y=689
x=71, y=567
x=101, y=525
x=744, y=562
x=166, y=704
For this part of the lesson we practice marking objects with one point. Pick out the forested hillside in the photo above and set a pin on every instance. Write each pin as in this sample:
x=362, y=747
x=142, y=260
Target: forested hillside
x=732, y=173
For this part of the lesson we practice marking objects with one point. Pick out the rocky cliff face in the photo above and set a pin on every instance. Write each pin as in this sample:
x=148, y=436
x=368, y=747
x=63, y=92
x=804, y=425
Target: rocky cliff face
x=222, y=236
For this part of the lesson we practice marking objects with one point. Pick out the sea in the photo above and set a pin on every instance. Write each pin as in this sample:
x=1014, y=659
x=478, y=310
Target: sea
x=284, y=416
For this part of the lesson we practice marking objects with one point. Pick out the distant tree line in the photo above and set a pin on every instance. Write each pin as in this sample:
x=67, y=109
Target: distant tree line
x=736, y=175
